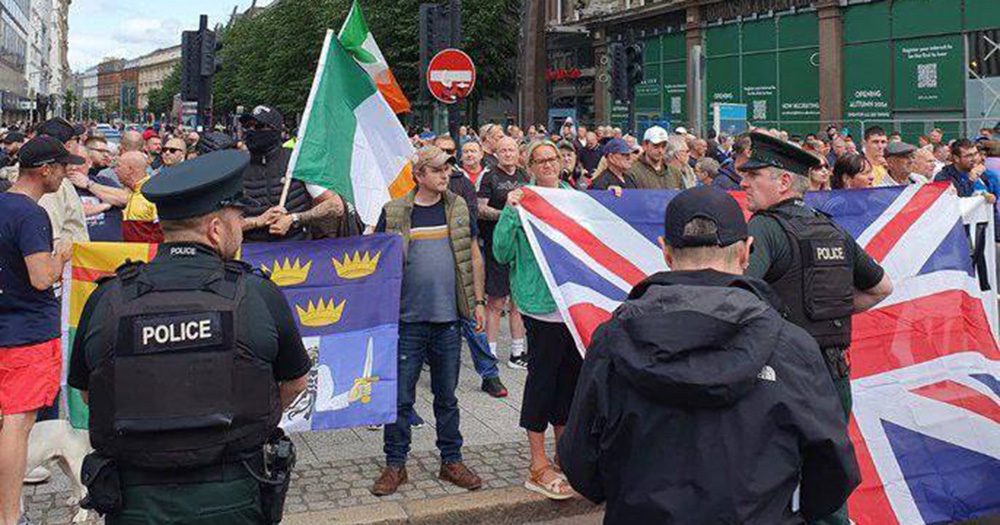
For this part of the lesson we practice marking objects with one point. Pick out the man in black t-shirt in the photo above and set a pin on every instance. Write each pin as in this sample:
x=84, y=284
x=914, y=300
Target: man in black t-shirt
x=493, y=189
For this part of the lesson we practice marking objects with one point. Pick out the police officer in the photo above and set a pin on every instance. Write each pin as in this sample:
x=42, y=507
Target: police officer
x=820, y=273
x=187, y=363
x=306, y=205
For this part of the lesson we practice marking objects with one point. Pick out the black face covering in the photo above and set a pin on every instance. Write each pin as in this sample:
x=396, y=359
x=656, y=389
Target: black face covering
x=262, y=140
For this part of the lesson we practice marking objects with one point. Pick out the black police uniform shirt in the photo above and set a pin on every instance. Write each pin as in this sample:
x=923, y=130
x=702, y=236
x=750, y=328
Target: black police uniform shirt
x=772, y=256
x=272, y=335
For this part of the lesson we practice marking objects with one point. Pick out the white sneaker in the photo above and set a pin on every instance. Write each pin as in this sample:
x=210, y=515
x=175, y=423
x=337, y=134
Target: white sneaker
x=518, y=362
x=37, y=475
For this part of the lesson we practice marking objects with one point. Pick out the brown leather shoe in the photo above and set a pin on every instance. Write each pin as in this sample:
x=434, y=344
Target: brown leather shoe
x=389, y=481
x=460, y=475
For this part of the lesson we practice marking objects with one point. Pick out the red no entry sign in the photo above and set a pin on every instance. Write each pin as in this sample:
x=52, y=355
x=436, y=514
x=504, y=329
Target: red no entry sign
x=451, y=75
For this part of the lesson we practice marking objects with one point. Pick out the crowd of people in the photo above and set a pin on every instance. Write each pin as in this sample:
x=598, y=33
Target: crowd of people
x=469, y=265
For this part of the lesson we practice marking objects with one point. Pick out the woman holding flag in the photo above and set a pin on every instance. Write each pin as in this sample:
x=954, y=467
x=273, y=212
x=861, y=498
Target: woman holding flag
x=554, y=364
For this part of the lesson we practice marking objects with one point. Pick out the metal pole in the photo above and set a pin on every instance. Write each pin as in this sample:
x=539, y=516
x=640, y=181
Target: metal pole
x=455, y=110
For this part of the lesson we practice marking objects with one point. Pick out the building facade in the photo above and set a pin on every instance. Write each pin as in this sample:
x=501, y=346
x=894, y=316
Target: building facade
x=109, y=74
x=908, y=65
x=154, y=69
x=61, y=74
x=38, y=70
x=14, y=25
x=87, y=81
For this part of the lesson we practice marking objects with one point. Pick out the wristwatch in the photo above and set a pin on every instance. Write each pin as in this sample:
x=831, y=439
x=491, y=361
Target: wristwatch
x=295, y=219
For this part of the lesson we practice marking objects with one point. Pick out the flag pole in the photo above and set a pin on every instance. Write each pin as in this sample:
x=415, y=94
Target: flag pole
x=305, y=117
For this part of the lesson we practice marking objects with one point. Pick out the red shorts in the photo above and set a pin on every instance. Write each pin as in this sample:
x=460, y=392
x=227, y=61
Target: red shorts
x=29, y=376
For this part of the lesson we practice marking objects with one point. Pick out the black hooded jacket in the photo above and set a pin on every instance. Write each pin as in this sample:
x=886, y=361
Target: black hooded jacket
x=697, y=403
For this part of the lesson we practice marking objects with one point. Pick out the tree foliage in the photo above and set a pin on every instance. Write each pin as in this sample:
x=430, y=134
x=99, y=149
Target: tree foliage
x=270, y=58
x=161, y=100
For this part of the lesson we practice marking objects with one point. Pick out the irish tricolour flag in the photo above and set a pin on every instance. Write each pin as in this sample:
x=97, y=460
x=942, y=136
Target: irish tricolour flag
x=350, y=140
x=360, y=43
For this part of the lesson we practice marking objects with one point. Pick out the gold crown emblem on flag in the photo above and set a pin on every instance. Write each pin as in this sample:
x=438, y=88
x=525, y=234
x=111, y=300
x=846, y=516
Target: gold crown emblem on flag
x=358, y=266
x=288, y=274
x=321, y=314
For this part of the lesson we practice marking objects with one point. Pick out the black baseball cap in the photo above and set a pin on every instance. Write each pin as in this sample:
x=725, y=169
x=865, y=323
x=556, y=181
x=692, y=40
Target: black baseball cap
x=770, y=152
x=45, y=149
x=199, y=186
x=13, y=136
x=264, y=115
x=704, y=202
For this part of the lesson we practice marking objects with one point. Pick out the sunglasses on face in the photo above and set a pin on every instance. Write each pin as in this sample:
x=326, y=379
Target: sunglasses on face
x=172, y=150
x=448, y=151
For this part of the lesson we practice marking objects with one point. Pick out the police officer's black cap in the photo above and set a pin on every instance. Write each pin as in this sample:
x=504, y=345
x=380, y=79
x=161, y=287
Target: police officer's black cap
x=770, y=152
x=43, y=150
x=199, y=186
x=59, y=128
x=214, y=141
x=13, y=136
x=709, y=203
x=264, y=115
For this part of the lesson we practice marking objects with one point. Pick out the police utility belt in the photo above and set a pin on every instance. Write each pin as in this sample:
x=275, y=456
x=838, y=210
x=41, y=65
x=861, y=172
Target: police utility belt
x=271, y=467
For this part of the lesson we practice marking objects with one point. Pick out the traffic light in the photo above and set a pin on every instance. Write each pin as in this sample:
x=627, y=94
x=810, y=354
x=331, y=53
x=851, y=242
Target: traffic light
x=190, y=65
x=633, y=58
x=619, y=72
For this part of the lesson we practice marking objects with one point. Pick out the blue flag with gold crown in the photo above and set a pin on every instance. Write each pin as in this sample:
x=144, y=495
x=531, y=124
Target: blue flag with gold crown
x=344, y=294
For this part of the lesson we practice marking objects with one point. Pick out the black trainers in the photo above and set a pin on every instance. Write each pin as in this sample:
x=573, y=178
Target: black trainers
x=518, y=362
x=494, y=387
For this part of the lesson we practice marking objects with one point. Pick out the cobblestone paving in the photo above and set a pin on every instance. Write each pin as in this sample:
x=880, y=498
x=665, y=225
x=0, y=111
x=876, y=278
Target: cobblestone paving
x=335, y=469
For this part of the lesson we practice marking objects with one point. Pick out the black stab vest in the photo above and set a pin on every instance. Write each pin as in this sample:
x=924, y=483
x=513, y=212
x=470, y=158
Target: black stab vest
x=177, y=389
x=818, y=288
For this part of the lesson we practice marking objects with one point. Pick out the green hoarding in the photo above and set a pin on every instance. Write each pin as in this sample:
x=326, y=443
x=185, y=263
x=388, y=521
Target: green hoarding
x=982, y=14
x=799, y=88
x=929, y=74
x=760, y=86
x=722, y=81
x=674, y=83
x=925, y=17
x=867, y=81
x=771, y=65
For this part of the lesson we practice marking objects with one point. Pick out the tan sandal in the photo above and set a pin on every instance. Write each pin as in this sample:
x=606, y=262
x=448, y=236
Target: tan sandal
x=556, y=488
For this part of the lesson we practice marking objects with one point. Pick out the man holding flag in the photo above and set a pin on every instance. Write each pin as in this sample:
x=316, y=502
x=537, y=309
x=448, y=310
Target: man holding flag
x=281, y=212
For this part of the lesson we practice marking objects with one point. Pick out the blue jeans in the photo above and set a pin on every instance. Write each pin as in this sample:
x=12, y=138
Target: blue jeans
x=441, y=345
x=484, y=361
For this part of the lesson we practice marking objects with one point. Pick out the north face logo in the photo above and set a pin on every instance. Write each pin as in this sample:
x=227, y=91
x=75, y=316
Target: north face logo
x=767, y=374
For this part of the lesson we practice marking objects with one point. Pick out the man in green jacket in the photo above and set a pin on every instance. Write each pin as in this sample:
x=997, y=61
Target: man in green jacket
x=554, y=362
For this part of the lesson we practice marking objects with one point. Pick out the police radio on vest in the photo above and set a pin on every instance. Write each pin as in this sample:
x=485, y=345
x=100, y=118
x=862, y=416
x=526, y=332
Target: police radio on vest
x=178, y=332
x=835, y=253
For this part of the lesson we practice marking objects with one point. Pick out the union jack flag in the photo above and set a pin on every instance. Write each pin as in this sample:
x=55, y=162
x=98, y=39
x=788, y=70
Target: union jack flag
x=926, y=364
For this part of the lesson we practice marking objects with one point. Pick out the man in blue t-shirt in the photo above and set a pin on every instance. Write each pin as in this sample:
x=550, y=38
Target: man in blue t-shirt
x=30, y=353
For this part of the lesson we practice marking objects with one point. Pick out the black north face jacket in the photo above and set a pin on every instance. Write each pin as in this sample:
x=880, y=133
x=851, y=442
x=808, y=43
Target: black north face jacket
x=697, y=403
